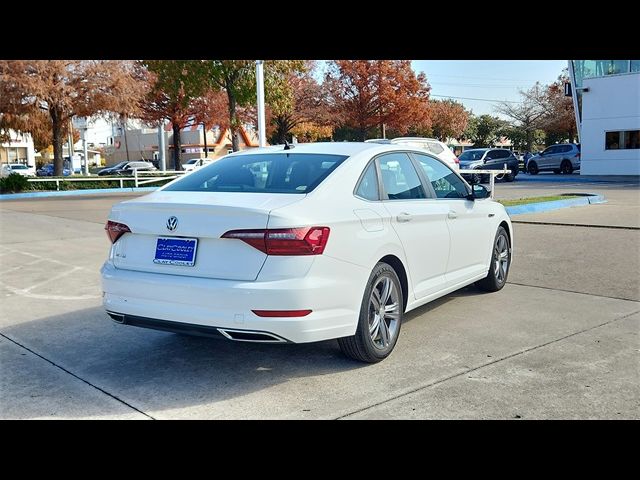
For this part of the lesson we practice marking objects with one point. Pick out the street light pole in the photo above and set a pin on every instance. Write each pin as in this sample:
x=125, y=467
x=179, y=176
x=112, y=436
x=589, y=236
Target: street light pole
x=262, y=141
x=204, y=130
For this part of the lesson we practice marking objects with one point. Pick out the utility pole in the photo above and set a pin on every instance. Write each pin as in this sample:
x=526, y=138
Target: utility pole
x=162, y=148
x=262, y=141
x=204, y=130
x=70, y=148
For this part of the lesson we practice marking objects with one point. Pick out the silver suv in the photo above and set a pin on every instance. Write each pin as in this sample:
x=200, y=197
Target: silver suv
x=560, y=158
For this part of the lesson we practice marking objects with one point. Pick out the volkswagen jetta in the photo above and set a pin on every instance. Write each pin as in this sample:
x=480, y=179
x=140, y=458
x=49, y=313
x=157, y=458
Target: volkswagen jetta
x=316, y=242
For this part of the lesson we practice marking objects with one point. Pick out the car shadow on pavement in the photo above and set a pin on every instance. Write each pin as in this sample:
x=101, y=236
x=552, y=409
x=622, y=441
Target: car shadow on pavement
x=157, y=371
x=470, y=291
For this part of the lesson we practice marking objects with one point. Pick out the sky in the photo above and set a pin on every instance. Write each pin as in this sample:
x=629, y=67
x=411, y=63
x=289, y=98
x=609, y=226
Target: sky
x=489, y=80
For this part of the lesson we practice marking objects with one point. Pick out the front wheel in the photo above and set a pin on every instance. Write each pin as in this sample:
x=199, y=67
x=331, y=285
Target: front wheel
x=532, y=168
x=500, y=262
x=380, y=318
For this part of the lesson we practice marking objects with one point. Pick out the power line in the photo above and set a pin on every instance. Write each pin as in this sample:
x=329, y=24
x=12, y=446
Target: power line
x=474, y=85
x=475, y=77
x=478, y=99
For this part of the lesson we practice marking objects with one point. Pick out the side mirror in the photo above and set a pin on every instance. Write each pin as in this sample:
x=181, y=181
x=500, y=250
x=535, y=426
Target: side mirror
x=479, y=191
x=486, y=159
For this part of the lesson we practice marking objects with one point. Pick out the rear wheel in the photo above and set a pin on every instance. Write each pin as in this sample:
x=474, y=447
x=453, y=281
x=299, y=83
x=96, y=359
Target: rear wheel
x=532, y=167
x=500, y=262
x=380, y=318
x=566, y=167
x=509, y=177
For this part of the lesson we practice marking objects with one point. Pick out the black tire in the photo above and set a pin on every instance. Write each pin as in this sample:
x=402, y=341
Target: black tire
x=532, y=168
x=361, y=346
x=566, y=167
x=497, y=276
x=475, y=177
x=509, y=177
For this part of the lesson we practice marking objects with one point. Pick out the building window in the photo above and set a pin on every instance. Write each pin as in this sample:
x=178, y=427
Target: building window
x=635, y=66
x=622, y=140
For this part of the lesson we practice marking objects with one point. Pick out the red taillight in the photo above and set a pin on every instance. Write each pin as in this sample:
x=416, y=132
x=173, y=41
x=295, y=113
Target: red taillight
x=456, y=160
x=115, y=230
x=578, y=155
x=281, y=313
x=285, y=241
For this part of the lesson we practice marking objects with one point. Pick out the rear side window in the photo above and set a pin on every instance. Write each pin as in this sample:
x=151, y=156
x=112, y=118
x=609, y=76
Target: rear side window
x=261, y=173
x=399, y=177
x=368, y=187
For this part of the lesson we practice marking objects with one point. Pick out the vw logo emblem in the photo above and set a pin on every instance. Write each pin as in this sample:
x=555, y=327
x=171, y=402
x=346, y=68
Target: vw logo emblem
x=172, y=223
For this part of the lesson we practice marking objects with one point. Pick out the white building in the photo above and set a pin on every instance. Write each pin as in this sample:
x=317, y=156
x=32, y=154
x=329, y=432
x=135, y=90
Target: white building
x=19, y=149
x=606, y=96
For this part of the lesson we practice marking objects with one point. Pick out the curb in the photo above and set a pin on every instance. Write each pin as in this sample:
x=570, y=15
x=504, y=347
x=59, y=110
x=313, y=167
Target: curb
x=587, y=199
x=68, y=193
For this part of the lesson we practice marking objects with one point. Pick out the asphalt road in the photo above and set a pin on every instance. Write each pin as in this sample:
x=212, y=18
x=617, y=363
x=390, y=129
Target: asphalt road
x=561, y=340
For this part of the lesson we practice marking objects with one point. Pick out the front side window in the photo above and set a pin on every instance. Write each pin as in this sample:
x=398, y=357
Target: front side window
x=497, y=154
x=261, y=173
x=444, y=181
x=368, y=187
x=549, y=150
x=399, y=177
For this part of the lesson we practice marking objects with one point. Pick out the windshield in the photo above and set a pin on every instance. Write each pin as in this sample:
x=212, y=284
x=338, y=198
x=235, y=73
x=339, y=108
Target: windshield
x=471, y=155
x=19, y=167
x=192, y=161
x=264, y=173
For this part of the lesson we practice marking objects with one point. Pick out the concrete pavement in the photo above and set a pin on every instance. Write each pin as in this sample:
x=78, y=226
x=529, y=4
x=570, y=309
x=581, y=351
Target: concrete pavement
x=559, y=341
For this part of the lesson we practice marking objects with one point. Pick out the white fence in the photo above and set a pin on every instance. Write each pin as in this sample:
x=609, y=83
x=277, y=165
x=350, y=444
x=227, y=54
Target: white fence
x=137, y=178
x=492, y=175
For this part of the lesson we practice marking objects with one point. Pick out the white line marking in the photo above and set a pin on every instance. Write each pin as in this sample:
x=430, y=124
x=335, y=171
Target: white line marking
x=20, y=266
x=55, y=277
x=25, y=293
x=44, y=258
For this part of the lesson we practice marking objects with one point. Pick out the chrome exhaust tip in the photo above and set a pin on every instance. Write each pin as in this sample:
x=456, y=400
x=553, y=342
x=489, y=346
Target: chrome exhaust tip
x=250, y=336
x=116, y=317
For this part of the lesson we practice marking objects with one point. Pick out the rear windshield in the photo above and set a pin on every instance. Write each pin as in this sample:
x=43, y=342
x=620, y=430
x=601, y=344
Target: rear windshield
x=264, y=173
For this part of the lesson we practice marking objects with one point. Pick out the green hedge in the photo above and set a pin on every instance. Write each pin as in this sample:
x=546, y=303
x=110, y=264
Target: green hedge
x=13, y=183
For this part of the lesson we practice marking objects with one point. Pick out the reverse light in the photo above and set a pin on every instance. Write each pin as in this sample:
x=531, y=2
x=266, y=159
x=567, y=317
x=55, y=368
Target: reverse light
x=285, y=241
x=115, y=230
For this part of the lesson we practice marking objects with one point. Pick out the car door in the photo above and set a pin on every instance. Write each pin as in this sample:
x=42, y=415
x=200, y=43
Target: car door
x=467, y=220
x=420, y=222
x=547, y=159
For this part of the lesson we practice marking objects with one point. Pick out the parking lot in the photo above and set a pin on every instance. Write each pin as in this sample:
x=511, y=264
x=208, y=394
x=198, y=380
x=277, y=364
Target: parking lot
x=561, y=340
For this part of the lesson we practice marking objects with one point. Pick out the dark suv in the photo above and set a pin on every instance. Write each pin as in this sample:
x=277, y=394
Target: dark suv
x=488, y=159
x=560, y=158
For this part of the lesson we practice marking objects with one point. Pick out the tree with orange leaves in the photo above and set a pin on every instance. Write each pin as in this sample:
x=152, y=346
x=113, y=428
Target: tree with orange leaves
x=365, y=94
x=63, y=89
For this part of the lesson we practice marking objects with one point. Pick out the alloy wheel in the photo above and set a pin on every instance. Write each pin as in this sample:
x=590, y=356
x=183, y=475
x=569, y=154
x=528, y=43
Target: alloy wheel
x=384, y=312
x=501, y=258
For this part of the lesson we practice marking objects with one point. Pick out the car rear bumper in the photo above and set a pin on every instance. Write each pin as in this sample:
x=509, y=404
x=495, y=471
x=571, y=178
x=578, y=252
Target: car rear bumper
x=206, y=306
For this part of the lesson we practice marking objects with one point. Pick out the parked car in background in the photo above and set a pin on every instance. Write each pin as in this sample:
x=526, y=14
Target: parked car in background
x=339, y=240
x=488, y=159
x=126, y=168
x=431, y=145
x=523, y=161
x=19, y=168
x=48, y=169
x=195, y=163
x=559, y=158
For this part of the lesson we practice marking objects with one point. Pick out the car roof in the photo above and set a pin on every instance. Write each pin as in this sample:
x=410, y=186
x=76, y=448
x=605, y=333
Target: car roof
x=477, y=149
x=327, y=148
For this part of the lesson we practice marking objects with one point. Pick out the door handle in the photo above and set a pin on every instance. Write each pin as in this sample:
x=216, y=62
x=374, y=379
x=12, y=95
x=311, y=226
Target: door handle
x=452, y=214
x=403, y=217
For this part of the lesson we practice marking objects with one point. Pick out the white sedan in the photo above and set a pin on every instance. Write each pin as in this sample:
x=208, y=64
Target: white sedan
x=320, y=241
